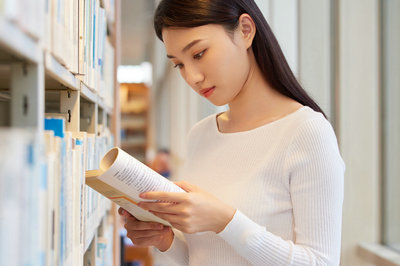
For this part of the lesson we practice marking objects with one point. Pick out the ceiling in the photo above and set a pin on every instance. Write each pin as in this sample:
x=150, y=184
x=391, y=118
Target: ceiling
x=137, y=32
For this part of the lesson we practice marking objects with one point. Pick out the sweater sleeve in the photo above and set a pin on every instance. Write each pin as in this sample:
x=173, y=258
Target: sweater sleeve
x=178, y=251
x=316, y=177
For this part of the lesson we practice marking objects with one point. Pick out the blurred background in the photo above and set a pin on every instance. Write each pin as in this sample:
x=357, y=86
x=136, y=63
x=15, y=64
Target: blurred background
x=78, y=77
x=346, y=55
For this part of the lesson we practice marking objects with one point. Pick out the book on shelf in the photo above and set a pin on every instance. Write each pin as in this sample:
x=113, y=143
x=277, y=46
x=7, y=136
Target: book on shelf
x=23, y=191
x=73, y=209
x=121, y=178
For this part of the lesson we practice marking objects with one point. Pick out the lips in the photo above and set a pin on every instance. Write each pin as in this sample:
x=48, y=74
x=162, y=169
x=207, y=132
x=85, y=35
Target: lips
x=207, y=92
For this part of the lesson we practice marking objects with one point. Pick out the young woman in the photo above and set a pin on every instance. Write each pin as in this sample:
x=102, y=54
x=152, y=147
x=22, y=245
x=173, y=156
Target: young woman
x=264, y=179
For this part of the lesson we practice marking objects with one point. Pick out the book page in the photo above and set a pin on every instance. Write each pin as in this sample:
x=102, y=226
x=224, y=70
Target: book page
x=132, y=177
x=121, y=199
x=138, y=212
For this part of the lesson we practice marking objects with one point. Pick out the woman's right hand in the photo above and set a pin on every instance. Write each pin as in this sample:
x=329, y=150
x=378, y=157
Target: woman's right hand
x=147, y=233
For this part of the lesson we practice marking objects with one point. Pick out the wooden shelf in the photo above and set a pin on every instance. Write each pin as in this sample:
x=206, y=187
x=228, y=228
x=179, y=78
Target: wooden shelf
x=5, y=74
x=134, y=119
x=88, y=94
x=93, y=96
x=129, y=144
x=104, y=106
x=94, y=220
x=135, y=128
x=38, y=65
x=58, y=72
x=4, y=96
x=134, y=123
x=17, y=44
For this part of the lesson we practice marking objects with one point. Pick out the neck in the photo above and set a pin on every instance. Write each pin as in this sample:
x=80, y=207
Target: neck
x=257, y=100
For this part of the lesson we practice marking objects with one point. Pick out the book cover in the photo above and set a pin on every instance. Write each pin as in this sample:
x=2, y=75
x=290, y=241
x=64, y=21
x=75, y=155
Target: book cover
x=121, y=178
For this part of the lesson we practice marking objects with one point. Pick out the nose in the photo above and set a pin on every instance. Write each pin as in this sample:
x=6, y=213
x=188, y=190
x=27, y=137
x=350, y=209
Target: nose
x=193, y=76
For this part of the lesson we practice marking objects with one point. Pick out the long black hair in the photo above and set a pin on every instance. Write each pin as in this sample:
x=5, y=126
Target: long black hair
x=266, y=49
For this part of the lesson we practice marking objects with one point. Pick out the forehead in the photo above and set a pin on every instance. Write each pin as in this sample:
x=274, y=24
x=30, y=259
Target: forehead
x=177, y=38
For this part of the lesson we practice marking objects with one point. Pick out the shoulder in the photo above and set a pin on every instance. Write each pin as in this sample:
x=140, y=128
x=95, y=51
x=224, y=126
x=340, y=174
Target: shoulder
x=311, y=125
x=313, y=137
x=206, y=124
x=202, y=132
x=304, y=116
x=305, y=122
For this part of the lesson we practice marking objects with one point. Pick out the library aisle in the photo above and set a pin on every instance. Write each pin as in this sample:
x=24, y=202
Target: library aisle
x=58, y=117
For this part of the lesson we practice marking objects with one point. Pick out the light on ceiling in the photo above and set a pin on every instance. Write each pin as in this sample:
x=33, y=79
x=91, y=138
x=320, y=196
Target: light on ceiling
x=135, y=74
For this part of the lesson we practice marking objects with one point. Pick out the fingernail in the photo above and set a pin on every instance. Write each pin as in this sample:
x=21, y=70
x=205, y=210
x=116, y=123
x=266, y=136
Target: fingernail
x=142, y=195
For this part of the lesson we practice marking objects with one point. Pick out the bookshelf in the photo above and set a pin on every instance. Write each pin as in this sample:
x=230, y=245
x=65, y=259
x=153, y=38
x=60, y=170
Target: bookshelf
x=58, y=116
x=134, y=119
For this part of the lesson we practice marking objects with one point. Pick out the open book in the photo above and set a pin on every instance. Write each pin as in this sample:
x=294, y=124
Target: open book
x=121, y=178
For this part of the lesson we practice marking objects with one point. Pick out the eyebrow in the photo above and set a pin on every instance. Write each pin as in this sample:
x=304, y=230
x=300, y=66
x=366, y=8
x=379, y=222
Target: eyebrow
x=187, y=47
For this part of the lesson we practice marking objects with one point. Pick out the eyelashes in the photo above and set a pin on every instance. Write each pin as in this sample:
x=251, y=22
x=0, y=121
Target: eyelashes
x=199, y=55
x=196, y=57
x=178, y=65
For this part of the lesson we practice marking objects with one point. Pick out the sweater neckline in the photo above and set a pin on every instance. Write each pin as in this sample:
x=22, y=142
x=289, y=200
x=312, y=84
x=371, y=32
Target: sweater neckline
x=269, y=124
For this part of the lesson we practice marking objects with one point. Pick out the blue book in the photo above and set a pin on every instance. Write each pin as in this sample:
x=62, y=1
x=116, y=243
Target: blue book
x=57, y=125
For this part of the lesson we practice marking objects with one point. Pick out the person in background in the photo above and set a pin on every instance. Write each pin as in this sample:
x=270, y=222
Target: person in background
x=161, y=163
x=265, y=179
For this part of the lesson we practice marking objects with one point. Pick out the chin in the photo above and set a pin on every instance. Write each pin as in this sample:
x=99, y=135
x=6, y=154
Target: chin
x=219, y=103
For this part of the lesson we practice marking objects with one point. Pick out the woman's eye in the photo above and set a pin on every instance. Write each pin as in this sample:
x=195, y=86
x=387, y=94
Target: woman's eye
x=178, y=66
x=199, y=55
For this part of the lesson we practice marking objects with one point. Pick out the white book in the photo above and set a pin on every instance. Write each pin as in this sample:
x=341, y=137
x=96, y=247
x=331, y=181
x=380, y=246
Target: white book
x=13, y=175
x=121, y=178
x=90, y=42
x=109, y=73
x=51, y=174
x=89, y=193
x=81, y=36
x=101, y=44
x=57, y=193
x=58, y=34
x=93, y=31
x=79, y=188
x=67, y=49
x=30, y=203
x=31, y=17
x=96, y=45
x=48, y=13
x=87, y=38
x=75, y=37
x=9, y=9
x=109, y=6
x=68, y=196
x=82, y=137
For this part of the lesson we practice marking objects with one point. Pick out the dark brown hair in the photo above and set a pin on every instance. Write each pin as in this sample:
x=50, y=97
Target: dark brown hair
x=268, y=54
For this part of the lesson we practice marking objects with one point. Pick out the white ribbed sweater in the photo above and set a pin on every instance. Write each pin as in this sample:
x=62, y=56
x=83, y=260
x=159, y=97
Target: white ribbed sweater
x=284, y=178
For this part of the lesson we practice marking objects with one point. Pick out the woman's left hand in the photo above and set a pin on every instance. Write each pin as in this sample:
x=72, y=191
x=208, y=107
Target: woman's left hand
x=191, y=212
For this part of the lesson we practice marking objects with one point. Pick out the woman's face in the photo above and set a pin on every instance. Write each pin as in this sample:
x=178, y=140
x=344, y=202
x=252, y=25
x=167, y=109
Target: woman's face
x=215, y=64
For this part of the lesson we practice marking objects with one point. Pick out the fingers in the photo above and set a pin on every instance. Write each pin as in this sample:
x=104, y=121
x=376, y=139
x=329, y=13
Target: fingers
x=147, y=233
x=171, y=218
x=145, y=241
x=186, y=186
x=125, y=213
x=164, y=207
x=162, y=239
x=164, y=196
x=133, y=224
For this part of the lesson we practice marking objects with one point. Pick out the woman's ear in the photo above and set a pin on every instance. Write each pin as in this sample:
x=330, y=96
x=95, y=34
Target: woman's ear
x=247, y=29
